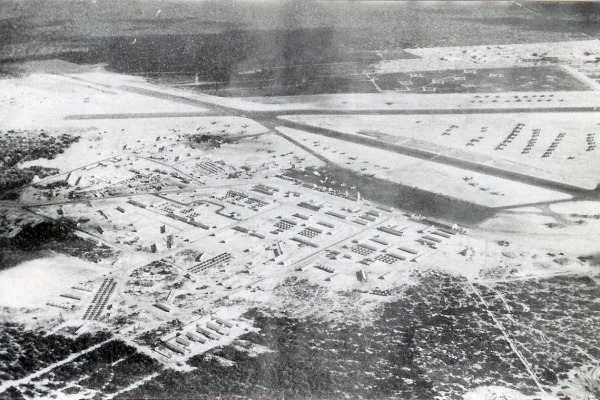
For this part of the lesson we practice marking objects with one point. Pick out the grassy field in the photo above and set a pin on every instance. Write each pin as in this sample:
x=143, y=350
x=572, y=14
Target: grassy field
x=485, y=80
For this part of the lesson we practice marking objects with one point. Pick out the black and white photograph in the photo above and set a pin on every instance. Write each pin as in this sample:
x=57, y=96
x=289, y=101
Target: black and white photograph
x=299, y=200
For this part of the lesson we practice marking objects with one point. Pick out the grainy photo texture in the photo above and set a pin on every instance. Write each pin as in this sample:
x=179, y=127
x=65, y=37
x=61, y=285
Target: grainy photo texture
x=305, y=200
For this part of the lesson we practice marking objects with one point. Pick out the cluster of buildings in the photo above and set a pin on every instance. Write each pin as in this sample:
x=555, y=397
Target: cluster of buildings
x=100, y=299
x=242, y=199
x=202, y=333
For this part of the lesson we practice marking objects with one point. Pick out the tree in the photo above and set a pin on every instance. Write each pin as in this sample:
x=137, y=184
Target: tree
x=13, y=394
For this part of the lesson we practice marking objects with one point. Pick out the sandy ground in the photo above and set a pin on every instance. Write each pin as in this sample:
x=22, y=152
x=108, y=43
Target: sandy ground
x=532, y=230
x=33, y=283
x=102, y=139
x=45, y=99
x=577, y=207
x=499, y=392
x=497, y=56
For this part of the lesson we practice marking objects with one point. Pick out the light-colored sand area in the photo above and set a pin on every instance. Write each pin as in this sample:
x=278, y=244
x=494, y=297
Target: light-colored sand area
x=44, y=99
x=33, y=283
x=499, y=392
x=577, y=207
x=542, y=233
x=101, y=139
x=496, y=56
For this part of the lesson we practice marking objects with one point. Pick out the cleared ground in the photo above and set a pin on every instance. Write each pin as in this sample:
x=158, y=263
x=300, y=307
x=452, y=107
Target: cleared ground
x=34, y=283
x=484, y=80
x=558, y=146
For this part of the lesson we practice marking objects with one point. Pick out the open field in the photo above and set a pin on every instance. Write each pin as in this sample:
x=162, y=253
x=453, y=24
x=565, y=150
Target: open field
x=578, y=55
x=484, y=80
x=32, y=284
x=55, y=96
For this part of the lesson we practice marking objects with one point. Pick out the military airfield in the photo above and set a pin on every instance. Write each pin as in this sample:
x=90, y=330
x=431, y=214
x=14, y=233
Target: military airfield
x=457, y=197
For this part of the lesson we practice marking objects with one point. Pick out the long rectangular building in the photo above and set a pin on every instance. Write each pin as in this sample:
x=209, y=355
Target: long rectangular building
x=305, y=242
x=310, y=206
x=162, y=307
x=391, y=231
x=216, y=261
x=335, y=214
x=173, y=347
x=439, y=223
x=195, y=338
x=207, y=333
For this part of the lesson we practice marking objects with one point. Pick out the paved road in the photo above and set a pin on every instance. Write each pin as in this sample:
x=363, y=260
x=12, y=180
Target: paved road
x=258, y=114
x=136, y=115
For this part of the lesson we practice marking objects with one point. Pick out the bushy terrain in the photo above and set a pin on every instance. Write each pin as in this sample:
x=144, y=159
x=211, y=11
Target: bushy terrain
x=554, y=322
x=436, y=339
x=18, y=147
x=109, y=368
x=24, y=239
x=23, y=351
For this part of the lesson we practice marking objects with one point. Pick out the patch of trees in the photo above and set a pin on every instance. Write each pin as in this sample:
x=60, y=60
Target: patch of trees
x=13, y=177
x=435, y=340
x=26, y=146
x=18, y=147
x=101, y=374
x=48, y=236
x=12, y=393
x=23, y=351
